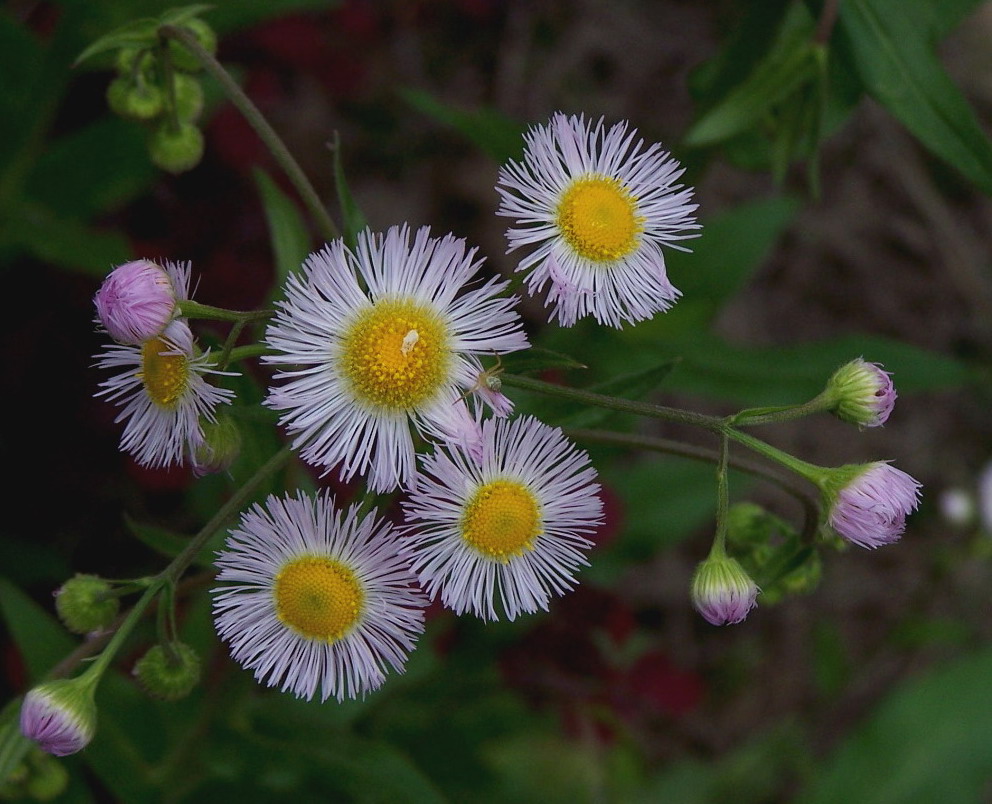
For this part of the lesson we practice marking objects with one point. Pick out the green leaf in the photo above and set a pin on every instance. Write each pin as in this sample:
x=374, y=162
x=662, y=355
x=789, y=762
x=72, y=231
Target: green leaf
x=39, y=636
x=141, y=33
x=537, y=359
x=177, y=16
x=789, y=64
x=891, y=42
x=162, y=541
x=927, y=741
x=290, y=239
x=354, y=219
x=65, y=242
x=492, y=131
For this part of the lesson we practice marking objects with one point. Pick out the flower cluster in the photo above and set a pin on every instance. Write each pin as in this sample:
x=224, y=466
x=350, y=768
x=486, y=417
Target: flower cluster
x=376, y=352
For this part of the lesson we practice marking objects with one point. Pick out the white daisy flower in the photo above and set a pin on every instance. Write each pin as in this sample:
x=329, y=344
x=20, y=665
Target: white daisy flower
x=319, y=598
x=380, y=339
x=599, y=206
x=163, y=394
x=512, y=524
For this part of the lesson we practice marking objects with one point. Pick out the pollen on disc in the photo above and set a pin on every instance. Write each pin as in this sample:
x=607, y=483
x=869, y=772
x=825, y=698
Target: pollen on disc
x=164, y=375
x=319, y=598
x=396, y=355
x=502, y=520
x=598, y=218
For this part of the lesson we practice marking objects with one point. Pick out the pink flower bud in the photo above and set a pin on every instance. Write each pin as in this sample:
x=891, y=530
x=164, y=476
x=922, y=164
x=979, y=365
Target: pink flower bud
x=863, y=393
x=722, y=591
x=870, y=509
x=138, y=299
x=60, y=715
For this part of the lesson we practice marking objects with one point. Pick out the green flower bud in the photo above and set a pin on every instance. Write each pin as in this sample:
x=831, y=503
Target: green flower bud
x=137, y=101
x=127, y=58
x=220, y=448
x=861, y=393
x=168, y=676
x=182, y=59
x=189, y=97
x=722, y=591
x=748, y=525
x=176, y=151
x=85, y=603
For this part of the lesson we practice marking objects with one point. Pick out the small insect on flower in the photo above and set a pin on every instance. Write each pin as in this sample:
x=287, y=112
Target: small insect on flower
x=597, y=206
x=508, y=527
x=316, y=598
x=163, y=394
x=488, y=388
x=380, y=340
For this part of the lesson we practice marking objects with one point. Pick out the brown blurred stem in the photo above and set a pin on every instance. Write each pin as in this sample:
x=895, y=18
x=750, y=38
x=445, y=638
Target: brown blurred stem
x=325, y=224
x=825, y=25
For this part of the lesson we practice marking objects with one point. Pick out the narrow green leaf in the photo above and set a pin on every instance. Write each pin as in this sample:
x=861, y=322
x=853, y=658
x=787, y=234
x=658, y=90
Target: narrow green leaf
x=496, y=134
x=41, y=639
x=537, y=359
x=177, y=16
x=290, y=239
x=139, y=34
x=891, y=42
x=354, y=219
x=789, y=64
x=927, y=741
x=162, y=541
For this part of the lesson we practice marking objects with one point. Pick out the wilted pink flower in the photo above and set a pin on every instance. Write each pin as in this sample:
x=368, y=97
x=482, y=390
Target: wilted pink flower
x=138, y=299
x=870, y=509
x=60, y=715
x=722, y=591
x=863, y=393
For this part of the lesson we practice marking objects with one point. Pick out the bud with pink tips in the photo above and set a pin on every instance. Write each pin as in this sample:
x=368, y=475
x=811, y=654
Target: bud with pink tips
x=138, y=299
x=869, y=503
x=722, y=591
x=861, y=393
x=60, y=715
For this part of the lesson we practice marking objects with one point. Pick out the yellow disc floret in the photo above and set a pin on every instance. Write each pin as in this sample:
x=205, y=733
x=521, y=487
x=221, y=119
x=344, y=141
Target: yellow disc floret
x=396, y=355
x=502, y=520
x=165, y=376
x=598, y=218
x=317, y=597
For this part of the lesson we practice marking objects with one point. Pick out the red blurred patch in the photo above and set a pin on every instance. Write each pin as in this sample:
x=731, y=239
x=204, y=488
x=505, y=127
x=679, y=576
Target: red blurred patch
x=176, y=478
x=654, y=684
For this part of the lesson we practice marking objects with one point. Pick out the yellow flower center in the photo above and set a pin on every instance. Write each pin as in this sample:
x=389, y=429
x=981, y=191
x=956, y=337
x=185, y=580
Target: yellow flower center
x=396, y=355
x=165, y=377
x=598, y=218
x=502, y=520
x=319, y=598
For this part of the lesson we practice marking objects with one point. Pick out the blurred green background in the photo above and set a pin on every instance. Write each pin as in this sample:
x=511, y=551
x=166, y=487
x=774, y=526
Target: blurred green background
x=846, y=213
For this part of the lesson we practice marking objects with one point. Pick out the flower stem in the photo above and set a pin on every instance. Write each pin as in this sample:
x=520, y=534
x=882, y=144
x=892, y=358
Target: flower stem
x=192, y=309
x=719, y=548
x=783, y=413
x=325, y=224
x=809, y=471
x=711, y=423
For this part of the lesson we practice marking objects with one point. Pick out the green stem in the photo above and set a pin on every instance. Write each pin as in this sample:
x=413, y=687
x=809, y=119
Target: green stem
x=783, y=413
x=711, y=423
x=810, y=502
x=719, y=548
x=231, y=507
x=165, y=59
x=246, y=352
x=811, y=472
x=325, y=224
x=192, y=309
x=95, y=670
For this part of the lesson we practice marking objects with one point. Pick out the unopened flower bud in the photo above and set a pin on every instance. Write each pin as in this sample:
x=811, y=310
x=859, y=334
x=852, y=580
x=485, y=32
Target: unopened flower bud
x=176, y=150
x=861, y=393
x=748, y=525
x=722, y=591
x=869, y=503
x=85, y=603
x=189, y=97
x=168, y=675
x=182, y=59
x=138, y=299
x=141, y=101
x=220, y=447
x=60, y=715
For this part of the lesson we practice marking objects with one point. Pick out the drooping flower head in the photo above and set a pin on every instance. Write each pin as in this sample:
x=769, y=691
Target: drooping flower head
x=316, y=599
x=597, y=206
x=379, y=339
x=722, y=591
x=138, y=299
x=862, y=393
x=869, y=503
x=508, y=529
x=163, y=395
x=60, y=715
